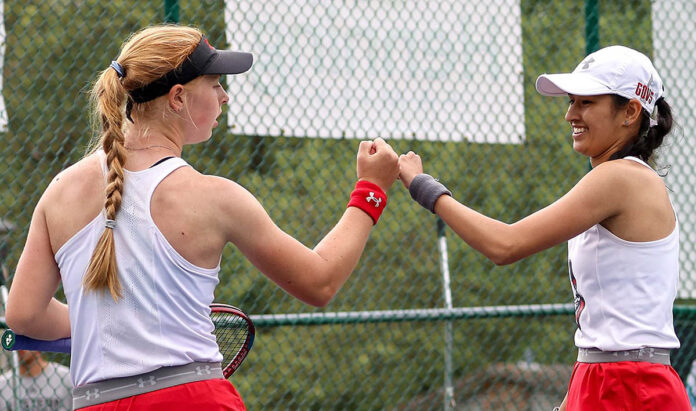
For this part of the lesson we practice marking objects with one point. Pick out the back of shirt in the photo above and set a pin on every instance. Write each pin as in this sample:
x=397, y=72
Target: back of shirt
x=163, y=317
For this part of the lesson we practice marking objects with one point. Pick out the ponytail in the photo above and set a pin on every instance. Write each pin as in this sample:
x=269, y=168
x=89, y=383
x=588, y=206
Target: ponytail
x=649, y=138
x=109, y=97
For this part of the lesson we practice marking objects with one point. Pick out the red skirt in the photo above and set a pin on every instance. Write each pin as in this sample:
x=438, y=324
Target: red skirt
x=217, y=394
x=626, y=385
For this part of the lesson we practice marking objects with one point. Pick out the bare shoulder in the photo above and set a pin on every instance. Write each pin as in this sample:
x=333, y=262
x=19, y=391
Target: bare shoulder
x=79, y=181
x=209, y=187
x=622, y=163
x=230, y=195
x=613, y=187
x=627, y=173
x=89, y=165
x=616, y=175
x=72, y=199
x=644, y=211
x=191, y=200
x=213, y=195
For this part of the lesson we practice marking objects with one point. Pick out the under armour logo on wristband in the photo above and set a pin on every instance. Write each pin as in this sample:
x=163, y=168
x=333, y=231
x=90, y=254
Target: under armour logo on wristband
x=370, y=198
x=93, y=394
x=373, y=198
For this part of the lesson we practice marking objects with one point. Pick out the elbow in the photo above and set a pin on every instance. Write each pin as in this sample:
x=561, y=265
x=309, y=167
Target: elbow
x=503, y=260
x=321, y=298
x=504, y=254
x=17, y=321
x=319, y=303
x=324, y=287
x=319, y=294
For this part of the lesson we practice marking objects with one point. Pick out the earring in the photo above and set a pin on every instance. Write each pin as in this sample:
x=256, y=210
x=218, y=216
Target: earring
x=626, y=123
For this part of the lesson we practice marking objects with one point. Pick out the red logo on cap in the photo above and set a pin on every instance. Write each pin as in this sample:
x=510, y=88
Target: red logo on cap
x=644, y=93
x=206, y=42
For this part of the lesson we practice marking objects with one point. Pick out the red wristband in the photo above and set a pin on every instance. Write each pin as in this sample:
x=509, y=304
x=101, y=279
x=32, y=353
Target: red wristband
x=370, y=198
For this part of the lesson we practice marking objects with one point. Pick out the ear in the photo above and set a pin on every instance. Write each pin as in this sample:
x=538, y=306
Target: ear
x=633, y=111
x=175, y=97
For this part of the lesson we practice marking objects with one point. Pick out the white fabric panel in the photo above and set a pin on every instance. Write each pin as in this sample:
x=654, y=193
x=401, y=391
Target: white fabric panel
x=433, y=70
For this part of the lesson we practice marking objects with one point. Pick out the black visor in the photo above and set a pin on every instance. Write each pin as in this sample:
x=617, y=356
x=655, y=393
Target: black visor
x=204, y=59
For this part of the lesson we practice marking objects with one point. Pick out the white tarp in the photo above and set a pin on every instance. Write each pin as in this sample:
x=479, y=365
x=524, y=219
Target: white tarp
x=436, y=70
x=3, y=41
x=673, y=27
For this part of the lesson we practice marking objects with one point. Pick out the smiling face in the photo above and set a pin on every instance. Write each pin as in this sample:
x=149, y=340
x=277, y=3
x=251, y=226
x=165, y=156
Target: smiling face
x=598, y=128
x=204, y=99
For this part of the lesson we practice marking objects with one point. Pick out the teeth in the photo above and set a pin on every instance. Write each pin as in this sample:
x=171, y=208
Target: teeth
x=579, y=129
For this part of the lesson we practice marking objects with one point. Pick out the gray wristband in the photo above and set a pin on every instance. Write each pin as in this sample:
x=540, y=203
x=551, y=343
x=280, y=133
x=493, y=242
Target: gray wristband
x=426, y=190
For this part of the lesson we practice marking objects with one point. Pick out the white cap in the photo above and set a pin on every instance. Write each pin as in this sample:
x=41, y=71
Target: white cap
x=611, y=70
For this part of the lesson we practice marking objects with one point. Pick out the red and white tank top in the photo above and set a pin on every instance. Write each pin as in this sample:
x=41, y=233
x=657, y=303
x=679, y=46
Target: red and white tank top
x=163, y=318
x=624, y=290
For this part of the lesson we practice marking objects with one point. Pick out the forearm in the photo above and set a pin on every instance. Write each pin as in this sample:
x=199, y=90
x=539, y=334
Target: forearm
x=313, y=276
x=51, y=323
x=489, y=236
x=342, y=247
x=562, y=407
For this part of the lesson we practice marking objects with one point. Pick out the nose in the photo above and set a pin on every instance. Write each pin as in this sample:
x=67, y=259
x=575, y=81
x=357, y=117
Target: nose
x=572, y=113
x=225, y=97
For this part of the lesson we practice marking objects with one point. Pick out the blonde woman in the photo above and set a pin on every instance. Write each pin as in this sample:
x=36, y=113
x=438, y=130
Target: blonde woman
x=139, y=264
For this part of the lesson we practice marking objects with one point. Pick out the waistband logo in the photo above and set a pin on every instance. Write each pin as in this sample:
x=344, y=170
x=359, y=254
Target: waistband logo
x=150, y=381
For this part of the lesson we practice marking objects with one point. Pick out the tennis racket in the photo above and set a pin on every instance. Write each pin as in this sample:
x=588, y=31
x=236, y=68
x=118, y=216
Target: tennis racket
x=234, y=332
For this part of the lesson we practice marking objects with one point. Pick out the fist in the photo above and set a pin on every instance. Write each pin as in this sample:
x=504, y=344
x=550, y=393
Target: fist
x=410, y=165
x=377, y=163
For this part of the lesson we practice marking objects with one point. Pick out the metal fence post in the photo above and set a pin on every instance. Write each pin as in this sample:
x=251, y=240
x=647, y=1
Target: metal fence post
x=447, y=292
x=6, y=228
x=591, y=26
x=171, y=11
x=591, y=35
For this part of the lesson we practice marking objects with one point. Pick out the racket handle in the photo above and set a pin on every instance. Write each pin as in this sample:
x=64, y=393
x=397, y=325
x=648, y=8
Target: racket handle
x=12, y=342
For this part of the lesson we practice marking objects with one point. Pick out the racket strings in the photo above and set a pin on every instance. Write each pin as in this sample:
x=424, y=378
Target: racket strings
x=231, y=333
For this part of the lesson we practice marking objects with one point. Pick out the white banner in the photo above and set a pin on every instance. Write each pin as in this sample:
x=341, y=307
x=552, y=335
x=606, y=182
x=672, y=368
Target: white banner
x=444, y=70
x=673, y=26
x=3, y=41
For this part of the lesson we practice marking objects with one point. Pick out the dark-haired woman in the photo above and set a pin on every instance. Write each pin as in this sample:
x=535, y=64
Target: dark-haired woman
x=622, y=233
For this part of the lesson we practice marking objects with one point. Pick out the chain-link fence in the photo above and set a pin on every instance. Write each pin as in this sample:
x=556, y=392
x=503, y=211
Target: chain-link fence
x=451, y=80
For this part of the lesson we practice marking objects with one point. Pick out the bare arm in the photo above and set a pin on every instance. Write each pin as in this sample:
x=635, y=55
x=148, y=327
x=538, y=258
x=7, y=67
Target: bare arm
x=594, y=199
x=562, y=407
x=31, y=308
x=312, y=275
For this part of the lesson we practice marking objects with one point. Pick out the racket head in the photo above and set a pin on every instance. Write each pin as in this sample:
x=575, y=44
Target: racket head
x=234, y=332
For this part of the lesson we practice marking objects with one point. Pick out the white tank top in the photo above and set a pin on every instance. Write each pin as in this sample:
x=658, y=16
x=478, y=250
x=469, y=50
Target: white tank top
x=163, y=318
x=624, y=290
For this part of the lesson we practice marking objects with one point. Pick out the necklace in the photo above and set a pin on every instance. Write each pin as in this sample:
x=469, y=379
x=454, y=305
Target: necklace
x=149, y=147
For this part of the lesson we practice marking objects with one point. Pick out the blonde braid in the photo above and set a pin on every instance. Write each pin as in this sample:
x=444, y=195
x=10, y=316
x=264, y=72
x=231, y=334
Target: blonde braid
x=109, y=97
